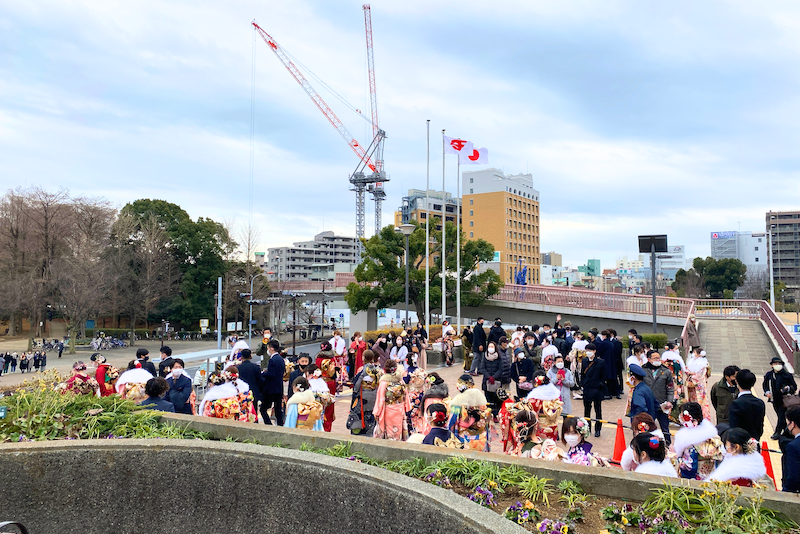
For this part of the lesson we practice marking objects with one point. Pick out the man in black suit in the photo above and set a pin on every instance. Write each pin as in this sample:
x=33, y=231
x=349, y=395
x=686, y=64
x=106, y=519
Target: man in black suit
x=165, y=365
x=478, y=346
x=593, y=381
x=604, y=353
x=272, y=391
x=143, y=358
x=251, y=374
x=495, y=332
x=747, y=411
x=616, y=354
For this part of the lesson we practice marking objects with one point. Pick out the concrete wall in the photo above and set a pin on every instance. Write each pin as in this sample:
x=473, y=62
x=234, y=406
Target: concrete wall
x=188, y=486
x=612, y=482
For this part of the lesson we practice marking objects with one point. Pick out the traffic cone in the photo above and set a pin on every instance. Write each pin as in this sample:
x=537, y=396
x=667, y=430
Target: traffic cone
x=619, y=444
x=768, y=462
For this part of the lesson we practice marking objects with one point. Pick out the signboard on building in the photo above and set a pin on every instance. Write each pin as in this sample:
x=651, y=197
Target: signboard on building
x=203, y=323
x=722, y=235
x=496, y=256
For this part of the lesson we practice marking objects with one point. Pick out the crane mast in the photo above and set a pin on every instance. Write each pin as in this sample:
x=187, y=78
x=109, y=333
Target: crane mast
x=375, y=188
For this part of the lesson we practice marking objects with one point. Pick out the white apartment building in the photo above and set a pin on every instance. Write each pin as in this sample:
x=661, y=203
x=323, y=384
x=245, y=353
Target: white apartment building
x=302, y=259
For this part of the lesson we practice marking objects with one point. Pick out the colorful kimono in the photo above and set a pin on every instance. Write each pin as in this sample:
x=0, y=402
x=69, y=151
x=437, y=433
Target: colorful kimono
x=547, y=450
x=674, y=363
x=509, y=431
x=231, y=400
x=436, y=394
x=470, y=419
x=106, y=375
x=740, y=469
x=698, y=450
x=391, y=407
x=365, y=387
x=80, y=384
x=697, y=373
x=304, y=411
x=545, y=400
x=130, y=384
x=326, y=362
x=416, y=391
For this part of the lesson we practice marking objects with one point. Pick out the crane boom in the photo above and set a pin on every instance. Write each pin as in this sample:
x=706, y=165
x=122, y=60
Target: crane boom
x=317, y=99
x=371, y=69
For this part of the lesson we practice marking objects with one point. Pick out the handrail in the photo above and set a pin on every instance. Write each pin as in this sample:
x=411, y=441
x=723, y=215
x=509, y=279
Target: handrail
x=16, y=524
x=685, y=331
x=780, y=332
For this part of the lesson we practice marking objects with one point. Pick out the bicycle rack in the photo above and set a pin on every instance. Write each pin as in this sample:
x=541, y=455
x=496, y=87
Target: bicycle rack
x=16, y=524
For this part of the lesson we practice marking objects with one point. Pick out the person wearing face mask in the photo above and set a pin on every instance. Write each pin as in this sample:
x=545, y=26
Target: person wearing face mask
x=478, y=346
x=399, y=352
x=492, y=372
x=180, y=388
x=381, y=350
x=791, y=451
x=650, y=452
x=743, y=465
x=531, y=353
x=359, y=346
x=505, y=351
x=562, y=378
x=660, y=381
x=642, y=400
x=496, y=332
x=522, y=370
x=593, y=382
x=777, y=384
x=723, y=393
x=697, y=444
x=574, y=432
x=641, y=423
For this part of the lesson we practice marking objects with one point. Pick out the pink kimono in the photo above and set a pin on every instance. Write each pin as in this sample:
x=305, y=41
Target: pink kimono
x=391, y=406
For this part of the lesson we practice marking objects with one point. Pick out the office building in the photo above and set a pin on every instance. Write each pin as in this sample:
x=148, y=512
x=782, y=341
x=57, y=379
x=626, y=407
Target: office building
x=628, y=265
x=413, y=207
x=551, y=258
x=785, y=232
x=298, y=261
x=748, y=247
x=504, y=210
x=261, y=259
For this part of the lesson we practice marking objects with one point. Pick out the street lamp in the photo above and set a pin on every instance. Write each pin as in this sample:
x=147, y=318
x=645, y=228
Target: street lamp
x=406, y=230
x=250, y=323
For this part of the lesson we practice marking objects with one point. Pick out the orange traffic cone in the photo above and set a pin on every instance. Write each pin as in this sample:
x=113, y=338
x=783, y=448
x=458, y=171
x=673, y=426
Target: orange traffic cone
x=768, y=462
x=619, y=444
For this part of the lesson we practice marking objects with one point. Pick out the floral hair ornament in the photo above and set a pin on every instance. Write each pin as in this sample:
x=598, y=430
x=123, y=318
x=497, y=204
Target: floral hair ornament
x=751, y=446
x=431, y=379
x=317, y=373
x=653, y=442
x=702, y=353
x=464, y=382
x=538, y=381
x=438, y=417
x=643, y=427
x=582, y=426
x=687, y=420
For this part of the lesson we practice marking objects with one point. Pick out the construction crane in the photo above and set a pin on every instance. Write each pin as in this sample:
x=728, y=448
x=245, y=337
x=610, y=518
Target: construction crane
x=361, y=181
x=376, y=187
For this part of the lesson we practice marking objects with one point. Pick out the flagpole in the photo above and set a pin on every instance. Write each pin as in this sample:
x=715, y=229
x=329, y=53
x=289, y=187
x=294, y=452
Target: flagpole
x=428, y=235
x=444, y=239
x=458, y=246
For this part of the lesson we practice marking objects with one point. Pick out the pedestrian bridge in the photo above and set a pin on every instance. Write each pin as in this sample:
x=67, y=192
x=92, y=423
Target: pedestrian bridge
x=536, y=304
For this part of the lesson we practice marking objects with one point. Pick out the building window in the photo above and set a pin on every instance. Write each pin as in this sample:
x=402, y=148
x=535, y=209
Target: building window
x=471, y=234
x=470, y=223
x=470, y=202
x=423, y=215
x=470, y=192
x=756, y=257
x=756, y=248
x=437, y=207
x=470, y=180
x=471, y=213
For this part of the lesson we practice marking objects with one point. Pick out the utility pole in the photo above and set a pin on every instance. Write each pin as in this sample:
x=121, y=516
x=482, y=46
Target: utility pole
x=219, y=313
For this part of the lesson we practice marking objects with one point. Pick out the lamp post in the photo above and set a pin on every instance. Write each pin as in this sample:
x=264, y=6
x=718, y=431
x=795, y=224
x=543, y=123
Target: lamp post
x=406, y=230
x=250, y=323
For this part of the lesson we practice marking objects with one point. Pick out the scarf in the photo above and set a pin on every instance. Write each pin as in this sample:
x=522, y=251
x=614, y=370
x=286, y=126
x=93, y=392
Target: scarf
x=134, y=376
x=546, y=392
x=696, y=365
x=749, y=466
x=687, y=437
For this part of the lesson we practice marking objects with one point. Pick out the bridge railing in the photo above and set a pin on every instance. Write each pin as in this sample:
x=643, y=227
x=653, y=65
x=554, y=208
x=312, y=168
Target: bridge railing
x=595, y=300
x=727, y=309
x=779, y=330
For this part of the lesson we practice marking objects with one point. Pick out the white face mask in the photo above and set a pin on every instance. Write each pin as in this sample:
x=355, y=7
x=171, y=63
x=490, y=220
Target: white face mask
x=491, y=350
x=559, y=365
x=656, y=363
x=590, y=355
x=177, y=372
x=529, y=342
x=572, y=439
x=777, y=368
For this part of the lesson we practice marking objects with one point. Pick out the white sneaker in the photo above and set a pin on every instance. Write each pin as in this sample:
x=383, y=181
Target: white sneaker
x=577, y=396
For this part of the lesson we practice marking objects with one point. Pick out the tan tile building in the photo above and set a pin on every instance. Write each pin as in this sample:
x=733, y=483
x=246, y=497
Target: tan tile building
x=504, y=210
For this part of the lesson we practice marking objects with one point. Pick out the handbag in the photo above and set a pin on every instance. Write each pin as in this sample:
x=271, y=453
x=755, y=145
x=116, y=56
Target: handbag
x=527, y=386
x=492, y=388
x=791, y=400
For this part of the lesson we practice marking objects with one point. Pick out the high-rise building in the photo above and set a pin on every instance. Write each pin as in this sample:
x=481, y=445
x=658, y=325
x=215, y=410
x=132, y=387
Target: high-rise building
x=592, y=268
x=298, y=262
x=504, y=210
x=414, y=209
x=748, y=247
x=628, y=265
x=551, y=258
x=785, y=230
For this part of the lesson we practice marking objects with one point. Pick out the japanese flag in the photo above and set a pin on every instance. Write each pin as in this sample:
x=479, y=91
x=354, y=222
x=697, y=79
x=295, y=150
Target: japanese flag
x=453, y=145
x=475, y=156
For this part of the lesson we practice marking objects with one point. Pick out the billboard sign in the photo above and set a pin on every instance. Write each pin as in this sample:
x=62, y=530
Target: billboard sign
x=722, y=235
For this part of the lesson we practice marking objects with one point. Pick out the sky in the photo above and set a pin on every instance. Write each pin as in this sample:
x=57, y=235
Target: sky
x=677, y=118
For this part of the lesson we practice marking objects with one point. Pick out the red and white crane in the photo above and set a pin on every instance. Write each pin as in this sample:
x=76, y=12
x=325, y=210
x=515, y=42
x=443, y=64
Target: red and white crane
x=370, y=157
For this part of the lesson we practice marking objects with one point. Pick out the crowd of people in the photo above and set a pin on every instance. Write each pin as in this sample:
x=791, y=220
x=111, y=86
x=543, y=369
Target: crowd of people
x=522, y=405
x=27, y=362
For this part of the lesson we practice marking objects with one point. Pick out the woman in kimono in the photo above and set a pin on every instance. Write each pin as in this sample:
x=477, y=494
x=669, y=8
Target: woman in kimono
x=417, y=383
x=545, y=398
x=509, y=432
x=698, y=371
x=361, y=420
x=229, y=398
x=326, y=365
x=437, y=392
x=130, y=384
x=391, y=405
x=743, y=465
x=697, y=444
x=523, y=429
x=470, y=416
x=562, y=378
x=80, y=382
x=650, y=452
x=302, y=409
